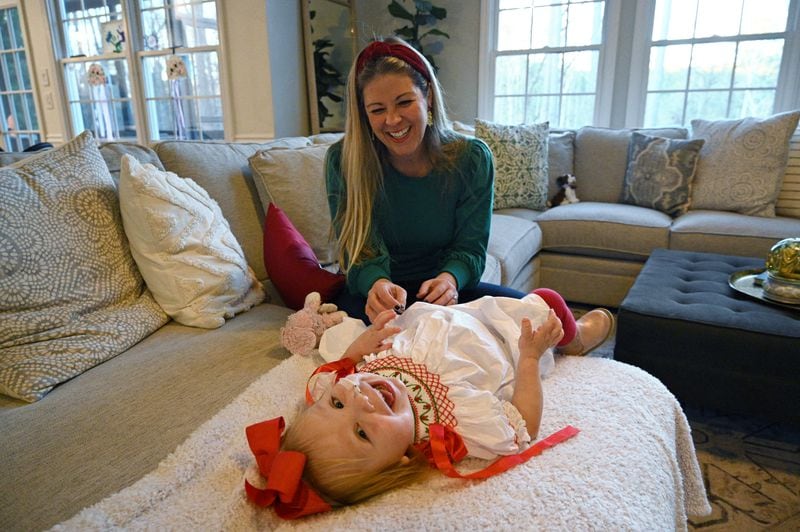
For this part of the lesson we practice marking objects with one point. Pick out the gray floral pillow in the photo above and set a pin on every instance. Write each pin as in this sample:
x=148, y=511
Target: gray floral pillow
x=71, y=296
x=742, y=163
x=659, y=173
x=520, y=160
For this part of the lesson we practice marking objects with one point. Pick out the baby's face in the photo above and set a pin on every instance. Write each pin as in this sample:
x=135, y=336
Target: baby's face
x=367, y=416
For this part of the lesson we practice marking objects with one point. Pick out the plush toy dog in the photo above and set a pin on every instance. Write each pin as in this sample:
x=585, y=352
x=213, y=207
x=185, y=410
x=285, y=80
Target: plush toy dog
x=304, y=328
x=567, y=185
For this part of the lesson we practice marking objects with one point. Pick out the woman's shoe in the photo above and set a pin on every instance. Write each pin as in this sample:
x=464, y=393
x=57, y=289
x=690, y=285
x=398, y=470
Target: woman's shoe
x=594, y=328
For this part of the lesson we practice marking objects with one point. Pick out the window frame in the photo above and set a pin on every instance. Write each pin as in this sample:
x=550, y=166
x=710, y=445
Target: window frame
x=623, y=67
x=34, y=92
x=134, y=55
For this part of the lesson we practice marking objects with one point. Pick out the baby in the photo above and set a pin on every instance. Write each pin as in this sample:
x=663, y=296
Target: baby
x=474, y=369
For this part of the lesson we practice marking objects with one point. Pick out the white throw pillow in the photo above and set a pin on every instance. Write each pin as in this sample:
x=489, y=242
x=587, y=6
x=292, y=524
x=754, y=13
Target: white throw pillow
x=184, y=247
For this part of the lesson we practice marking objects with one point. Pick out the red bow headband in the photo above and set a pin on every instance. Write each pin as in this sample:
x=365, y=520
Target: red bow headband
x=285, y=490
x=378, y=49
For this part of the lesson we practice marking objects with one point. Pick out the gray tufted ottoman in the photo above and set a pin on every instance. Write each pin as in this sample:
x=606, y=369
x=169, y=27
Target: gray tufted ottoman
x=709, y=344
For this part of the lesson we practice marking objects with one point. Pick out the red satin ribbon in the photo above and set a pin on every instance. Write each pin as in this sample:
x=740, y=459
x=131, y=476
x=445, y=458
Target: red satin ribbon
x=343, y=367
x=447, y=447
x=286, y=491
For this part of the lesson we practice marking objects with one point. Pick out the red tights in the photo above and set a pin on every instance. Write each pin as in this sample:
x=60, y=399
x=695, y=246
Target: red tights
x=559, y=306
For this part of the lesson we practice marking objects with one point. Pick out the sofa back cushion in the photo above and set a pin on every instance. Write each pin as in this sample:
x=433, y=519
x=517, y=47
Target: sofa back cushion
x=71, y=295
x=221, y=168
x=601, y=157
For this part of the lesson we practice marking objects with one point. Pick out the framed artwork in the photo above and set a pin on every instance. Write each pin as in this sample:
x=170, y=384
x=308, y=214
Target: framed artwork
x=113, y=35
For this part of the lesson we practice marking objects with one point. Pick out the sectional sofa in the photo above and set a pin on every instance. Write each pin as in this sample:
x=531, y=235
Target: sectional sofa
x=110, y=423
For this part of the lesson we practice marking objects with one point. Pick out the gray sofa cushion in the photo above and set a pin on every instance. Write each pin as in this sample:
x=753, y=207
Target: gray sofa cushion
x=108, y=427
x=604, y=229
x=730, y=233
x=601, y=156
x=560, y=157
x=513, y=242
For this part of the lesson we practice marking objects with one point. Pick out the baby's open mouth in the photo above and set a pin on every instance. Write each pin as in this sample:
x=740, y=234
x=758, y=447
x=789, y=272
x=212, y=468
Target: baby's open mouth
x=386, y=393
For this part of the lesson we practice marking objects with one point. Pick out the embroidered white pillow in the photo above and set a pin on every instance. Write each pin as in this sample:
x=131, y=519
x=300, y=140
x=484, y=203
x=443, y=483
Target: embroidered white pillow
x=184, y=247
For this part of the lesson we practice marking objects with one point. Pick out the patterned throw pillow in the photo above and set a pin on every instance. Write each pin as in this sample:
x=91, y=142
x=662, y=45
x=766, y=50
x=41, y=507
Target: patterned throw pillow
x=71, y=296
x=184, y=247
x=660, y=172
x=520, y=163
x=742, y=163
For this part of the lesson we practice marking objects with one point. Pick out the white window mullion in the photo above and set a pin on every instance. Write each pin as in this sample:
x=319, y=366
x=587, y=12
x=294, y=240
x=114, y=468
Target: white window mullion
x=787, y=96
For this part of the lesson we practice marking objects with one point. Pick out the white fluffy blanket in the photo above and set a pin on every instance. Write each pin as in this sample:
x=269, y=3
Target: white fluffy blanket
x=632, y=467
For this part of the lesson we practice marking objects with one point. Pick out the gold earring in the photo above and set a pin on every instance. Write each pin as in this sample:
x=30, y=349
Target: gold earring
x=430, y=118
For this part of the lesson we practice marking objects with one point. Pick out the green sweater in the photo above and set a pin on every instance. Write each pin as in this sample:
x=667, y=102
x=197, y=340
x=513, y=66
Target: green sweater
x=422, y=227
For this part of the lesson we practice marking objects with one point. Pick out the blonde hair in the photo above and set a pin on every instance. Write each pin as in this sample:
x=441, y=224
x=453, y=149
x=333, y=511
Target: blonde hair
x=343, y=481
x=363, y=157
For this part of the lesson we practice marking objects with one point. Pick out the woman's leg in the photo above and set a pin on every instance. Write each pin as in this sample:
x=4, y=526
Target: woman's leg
x=488, y=289
x=354, y=304
x=559, y=306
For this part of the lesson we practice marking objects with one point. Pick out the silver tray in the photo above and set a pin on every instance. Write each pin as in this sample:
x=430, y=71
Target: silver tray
x=748, y=282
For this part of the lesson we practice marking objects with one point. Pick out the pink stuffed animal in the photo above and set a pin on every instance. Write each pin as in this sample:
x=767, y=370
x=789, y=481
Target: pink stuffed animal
x=304, y=328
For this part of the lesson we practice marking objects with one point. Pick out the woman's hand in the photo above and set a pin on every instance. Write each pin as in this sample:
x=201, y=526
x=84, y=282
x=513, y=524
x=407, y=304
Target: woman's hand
x=533, y=343
x=373, y=340
x=441, y=290
x=384, y=295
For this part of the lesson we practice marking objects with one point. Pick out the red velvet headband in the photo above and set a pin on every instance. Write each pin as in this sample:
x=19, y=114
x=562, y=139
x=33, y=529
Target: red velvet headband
x=378, y=49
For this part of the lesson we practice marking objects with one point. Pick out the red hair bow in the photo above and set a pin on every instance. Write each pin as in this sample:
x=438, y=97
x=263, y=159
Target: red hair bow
x=286, y=490
x=378, y=49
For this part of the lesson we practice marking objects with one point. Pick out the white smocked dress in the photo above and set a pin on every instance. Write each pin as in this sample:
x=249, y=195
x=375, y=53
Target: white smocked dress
x=458, y=364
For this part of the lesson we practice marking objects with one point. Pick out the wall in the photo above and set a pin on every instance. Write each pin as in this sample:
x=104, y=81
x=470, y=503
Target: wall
x=458, y=58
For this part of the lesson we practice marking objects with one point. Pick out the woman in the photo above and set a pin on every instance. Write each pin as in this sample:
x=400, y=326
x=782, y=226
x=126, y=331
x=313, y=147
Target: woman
x=411, y=201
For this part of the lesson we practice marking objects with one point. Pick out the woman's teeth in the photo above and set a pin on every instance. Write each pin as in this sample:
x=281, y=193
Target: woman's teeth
x=398, y=134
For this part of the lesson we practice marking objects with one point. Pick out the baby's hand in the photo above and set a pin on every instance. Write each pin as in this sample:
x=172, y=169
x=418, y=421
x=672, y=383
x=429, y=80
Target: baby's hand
x=533, y=343
x=373, y=340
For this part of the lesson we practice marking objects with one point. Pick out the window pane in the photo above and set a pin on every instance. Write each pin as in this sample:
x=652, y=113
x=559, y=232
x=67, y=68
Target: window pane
x=514, y=29
x=674, y=19
x=758, y=63
x=544, y=73
x=577, y=111
x=509, y=109
x=718, y=17
x=510, y=4
x=211, y=118
x=542, y=109
x=16, y=30
x=9, y=68
x=510, y=78
x=549, y=26
x=764, y=16
x=105, y=108
x=580, y=71
x=585, y=24
x=710, y=105
x=669, y=67
x=204, y=72
x=664, y=109
x=154, y=27
x=712, y=65
x=752, y=103
x=5, y=29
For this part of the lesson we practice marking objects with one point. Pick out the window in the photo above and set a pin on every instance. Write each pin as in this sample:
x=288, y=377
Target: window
x=715, y=59
x=547, y=61
x=19, y=127
x=638, y=62
x=142, y=69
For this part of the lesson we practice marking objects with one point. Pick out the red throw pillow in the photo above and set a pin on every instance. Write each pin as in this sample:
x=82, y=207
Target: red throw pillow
x=291, y=263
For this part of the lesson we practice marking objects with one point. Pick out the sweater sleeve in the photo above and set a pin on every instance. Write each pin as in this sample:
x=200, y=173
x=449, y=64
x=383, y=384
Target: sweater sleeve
x=362, y=276
x=466, y=257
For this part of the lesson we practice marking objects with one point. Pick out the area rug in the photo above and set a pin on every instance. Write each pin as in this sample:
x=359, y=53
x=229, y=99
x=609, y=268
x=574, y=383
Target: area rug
x=632, y=467
x=751, y=468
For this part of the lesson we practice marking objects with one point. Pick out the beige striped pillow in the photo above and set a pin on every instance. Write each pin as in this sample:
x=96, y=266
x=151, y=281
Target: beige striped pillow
x=788, y=203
